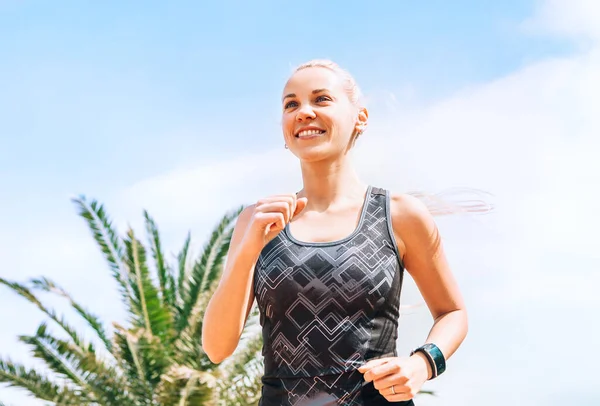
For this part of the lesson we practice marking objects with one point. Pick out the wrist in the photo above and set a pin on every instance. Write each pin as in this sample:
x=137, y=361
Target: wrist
x=434, y=357
x=423, y=363
x=250, y=247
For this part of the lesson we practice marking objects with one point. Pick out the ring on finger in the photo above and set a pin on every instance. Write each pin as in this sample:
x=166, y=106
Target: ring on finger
x=393, y=390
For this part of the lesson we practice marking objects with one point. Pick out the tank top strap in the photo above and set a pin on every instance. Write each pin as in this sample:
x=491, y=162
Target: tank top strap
x=374, y=212
x=377, y=220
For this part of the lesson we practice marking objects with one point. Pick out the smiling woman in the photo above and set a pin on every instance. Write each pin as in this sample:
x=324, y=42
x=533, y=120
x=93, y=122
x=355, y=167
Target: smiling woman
x=326, y=266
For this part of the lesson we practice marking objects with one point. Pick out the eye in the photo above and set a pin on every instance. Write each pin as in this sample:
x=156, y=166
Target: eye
x=322, y=98
x=290, y=104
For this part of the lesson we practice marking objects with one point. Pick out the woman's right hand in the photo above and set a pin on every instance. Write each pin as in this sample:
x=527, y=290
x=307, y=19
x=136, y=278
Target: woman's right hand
x=269, y=218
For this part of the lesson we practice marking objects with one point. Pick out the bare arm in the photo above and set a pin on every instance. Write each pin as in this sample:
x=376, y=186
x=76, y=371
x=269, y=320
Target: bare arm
x=420, y=242
x=230, y=305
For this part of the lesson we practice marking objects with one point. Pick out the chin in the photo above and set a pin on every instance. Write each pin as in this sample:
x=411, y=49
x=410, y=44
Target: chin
x=315, y=153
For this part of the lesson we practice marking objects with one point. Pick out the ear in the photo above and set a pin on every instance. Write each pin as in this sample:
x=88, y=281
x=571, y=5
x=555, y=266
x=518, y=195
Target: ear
x=361, y=120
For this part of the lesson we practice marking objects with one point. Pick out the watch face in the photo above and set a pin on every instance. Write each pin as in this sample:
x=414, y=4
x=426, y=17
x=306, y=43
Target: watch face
x=436, y=356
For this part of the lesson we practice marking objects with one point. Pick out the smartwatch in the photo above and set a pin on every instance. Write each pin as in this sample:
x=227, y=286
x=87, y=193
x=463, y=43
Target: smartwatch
x=434, y=356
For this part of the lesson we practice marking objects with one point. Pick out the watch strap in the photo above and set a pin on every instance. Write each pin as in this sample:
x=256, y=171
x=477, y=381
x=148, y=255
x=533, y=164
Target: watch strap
x=434, y=356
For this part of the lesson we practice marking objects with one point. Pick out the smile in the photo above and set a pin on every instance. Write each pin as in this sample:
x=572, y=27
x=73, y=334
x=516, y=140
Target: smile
x=309, y=133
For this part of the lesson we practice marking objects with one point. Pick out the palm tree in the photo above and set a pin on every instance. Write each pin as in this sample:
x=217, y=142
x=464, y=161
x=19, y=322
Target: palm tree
x=157, y=357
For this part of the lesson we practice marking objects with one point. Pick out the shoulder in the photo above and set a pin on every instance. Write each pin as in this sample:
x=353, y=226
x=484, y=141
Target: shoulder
x=409, y=210
x=412, y=222
x=247, y=212
x=244, y=218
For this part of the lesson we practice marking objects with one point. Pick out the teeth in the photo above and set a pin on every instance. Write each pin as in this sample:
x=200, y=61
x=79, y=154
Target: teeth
x=307, y=133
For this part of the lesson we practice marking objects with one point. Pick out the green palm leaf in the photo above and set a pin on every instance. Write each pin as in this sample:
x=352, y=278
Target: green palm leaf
x=38, y=385
x=103, y=381
x=164, y=272
x=155, y=317
x=26, y=293
x=242, y=382
x=44, y=351
x=182, y=385
x=188, y=342
x=183, y=261
x=108, y=241
x=157, y=358
x=93, y=321
x=207, y=269
x=126, y=350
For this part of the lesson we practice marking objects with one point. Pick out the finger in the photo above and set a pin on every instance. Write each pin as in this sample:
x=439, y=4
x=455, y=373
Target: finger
x=300, y=205
x=402, y=393
x=290, y=199
x=387, y=381
x=272, y=220
x=373, y=363
x=381, y=371
x=399, y=398
x=281, y=207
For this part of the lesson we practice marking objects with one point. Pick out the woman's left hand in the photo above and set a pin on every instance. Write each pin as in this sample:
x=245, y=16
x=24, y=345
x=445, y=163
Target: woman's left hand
x=397, y=378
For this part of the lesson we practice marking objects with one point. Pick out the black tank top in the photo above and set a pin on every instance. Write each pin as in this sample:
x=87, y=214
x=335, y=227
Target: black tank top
x=328, y=307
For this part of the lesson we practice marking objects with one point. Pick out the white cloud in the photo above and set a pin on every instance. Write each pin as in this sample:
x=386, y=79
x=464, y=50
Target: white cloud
x=578, y=19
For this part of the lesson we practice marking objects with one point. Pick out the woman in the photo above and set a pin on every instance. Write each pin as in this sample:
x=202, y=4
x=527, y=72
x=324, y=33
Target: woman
x=325, y=266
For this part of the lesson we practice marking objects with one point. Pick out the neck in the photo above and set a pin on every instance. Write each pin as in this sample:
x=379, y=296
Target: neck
x=326, y=183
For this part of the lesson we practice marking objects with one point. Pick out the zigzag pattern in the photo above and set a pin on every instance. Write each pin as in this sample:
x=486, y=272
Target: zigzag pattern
x=326, y=308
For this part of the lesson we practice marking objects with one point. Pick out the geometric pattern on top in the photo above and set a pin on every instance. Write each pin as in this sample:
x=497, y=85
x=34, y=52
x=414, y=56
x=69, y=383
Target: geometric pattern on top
x=328, y=307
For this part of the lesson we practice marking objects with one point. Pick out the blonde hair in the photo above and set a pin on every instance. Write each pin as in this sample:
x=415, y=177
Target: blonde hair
x=349, y=84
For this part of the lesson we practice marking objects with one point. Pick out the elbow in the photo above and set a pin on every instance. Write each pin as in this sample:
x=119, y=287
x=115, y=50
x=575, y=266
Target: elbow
x=214, y=349
x=215, y=355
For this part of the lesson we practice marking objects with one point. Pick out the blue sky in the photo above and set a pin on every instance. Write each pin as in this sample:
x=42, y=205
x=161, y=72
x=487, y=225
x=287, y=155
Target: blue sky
x=85, y=85
x=97, y=96
x=175, y=108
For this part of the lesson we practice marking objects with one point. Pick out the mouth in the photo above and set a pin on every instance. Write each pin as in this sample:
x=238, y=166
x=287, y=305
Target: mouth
x=310, y=133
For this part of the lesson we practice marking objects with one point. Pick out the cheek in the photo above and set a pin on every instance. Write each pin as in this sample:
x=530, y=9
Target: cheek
x=287, y=124
x=343, y=124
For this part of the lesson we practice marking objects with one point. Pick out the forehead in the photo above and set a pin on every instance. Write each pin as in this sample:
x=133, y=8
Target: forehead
x=308, y=79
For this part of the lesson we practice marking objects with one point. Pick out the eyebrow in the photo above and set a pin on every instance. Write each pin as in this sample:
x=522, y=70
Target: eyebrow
x=313, y=92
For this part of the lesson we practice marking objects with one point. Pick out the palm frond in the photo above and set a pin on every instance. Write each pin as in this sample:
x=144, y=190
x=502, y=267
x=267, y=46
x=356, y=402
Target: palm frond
x=44, y=351
x=93, y=321
x=104, y=381
x=38, y=385
x=216, y=250
x=106, y=237
x=26, y=293
x=183, y=260
x=158, y=358
x=182, y=385
x=144, y=358
x=189, y=347
x=163, y=271
x=127, y=351
x=242, y=374
x=155, y=316
x=208, y=268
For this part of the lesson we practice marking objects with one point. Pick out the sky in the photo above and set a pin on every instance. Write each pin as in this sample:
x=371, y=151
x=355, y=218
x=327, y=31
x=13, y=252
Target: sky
x=175, y=108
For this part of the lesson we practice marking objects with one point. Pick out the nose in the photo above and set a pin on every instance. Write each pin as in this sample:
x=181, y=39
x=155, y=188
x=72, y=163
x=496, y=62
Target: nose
x=305, y=113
